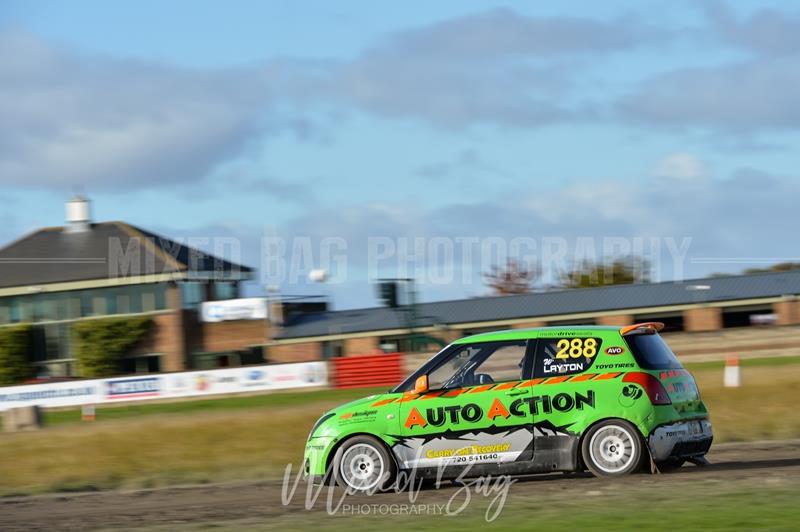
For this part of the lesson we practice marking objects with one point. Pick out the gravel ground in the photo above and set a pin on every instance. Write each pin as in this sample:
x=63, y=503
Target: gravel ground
x=259, y=504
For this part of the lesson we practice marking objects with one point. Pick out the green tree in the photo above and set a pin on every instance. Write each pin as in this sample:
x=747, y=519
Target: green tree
x=15, y=354
x=620, y=270
x=101, y=344
x=779, y=267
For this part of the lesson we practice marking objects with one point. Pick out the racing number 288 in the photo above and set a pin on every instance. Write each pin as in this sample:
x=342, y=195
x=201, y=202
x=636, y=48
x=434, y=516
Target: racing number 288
x=576, y=348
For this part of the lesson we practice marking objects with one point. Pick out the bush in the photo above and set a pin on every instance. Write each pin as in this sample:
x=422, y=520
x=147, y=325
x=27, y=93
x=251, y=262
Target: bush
x=100, y=344
x=15, y=359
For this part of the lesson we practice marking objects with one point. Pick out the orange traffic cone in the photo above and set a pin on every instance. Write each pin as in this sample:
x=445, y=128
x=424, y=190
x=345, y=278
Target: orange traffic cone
x=87, y=412
x=733, y=375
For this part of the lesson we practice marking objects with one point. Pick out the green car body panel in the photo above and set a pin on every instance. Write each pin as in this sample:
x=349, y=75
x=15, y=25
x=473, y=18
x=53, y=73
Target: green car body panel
x=570, y=379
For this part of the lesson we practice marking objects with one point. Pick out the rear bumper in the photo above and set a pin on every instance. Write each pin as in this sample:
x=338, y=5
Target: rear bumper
x=680, y=440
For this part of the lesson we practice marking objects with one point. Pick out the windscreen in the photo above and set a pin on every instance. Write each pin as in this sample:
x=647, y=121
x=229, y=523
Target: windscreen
x=652, y=352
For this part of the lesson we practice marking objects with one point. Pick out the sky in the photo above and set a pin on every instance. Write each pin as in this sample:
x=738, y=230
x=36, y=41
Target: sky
x=421, y=139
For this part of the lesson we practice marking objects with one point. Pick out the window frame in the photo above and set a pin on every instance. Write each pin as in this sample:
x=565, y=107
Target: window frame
x=445, y=355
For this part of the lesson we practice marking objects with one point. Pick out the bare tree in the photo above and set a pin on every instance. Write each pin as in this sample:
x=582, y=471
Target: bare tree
x=513, y=278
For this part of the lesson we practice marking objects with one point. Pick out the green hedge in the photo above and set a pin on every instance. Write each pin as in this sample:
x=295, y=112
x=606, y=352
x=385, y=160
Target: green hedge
x=15, y=359
x=100, y=344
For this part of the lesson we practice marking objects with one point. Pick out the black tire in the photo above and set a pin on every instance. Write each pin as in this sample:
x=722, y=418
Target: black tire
x=362, y=464
x=612, y=448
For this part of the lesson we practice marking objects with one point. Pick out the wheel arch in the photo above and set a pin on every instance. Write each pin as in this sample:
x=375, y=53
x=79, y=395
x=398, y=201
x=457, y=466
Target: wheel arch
x=585, y=432
x=335, y=447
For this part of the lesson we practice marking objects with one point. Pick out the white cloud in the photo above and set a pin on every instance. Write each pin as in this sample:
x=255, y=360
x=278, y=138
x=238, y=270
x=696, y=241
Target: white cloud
x=75, y=119
x=493, y=67
x=680, y=165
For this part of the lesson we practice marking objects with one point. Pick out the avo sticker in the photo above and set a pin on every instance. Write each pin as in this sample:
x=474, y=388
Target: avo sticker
x=614, y=350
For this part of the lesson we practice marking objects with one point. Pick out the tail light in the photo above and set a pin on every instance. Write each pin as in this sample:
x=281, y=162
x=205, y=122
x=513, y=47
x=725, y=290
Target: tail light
x=652, y=386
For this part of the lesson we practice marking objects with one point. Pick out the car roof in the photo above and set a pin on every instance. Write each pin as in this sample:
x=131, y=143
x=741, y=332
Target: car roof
x=525, y=334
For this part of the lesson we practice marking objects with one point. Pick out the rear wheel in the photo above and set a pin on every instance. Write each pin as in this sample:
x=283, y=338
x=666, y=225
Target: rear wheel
x=362, y=464
x=612, y=448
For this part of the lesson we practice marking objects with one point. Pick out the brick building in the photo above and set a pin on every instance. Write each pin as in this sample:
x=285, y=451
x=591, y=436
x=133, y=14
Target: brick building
x=58, y=276
x=693, y=306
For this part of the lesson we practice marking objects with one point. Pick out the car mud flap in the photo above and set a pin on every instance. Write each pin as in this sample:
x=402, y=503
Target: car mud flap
x=700, y=461
x=654, y=470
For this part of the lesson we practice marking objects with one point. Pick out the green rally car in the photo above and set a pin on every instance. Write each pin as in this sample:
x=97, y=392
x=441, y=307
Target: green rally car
x=521, y=401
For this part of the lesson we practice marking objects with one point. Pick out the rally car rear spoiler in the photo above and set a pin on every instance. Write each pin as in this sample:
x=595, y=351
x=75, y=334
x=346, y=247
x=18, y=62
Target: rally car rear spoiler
x=653, y=326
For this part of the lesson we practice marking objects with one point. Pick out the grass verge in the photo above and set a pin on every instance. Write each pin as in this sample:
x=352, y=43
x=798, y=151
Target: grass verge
x=152, y=445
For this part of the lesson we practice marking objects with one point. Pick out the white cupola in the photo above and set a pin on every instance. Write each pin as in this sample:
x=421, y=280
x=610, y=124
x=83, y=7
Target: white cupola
x=78, y=215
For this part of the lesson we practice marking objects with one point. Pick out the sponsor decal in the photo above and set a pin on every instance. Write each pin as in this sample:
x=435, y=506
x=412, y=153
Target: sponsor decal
x=357, y=417
x=620, y=365
x=179, y=384
x=632, y=391
x=255, y=377
x=570, y=367
x=522, y=407
x=312, y=374
x=45, y=394
x=469, y=449
x=492, y=444
x=253, y=308
x=614, y=350
x=202, y=383
x=129, y=388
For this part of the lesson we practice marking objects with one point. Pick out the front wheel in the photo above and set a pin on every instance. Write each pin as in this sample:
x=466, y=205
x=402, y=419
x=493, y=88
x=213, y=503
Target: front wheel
x=362, y=464
x=612, y=448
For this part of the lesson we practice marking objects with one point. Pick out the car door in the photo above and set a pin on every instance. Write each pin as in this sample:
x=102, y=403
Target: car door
x=476, y=410
x=563, y=393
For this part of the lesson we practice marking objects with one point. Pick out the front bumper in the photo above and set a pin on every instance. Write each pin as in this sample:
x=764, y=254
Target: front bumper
x=680, y=440
x=315, y=456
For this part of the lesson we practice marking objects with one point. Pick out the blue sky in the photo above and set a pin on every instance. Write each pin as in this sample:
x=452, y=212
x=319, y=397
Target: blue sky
x=432, y=119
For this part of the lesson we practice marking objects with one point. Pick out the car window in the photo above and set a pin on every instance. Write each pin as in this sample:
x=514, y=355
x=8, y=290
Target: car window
x=652, y=352
x=480, y=363
x=566, y=355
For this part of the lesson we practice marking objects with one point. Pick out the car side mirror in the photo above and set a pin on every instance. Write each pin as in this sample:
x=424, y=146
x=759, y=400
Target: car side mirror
x=483, y=378
x=421, y=384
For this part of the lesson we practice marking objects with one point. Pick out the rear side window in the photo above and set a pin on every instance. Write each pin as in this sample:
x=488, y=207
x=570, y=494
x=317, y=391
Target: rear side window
x=565, y=355
x=652, y=352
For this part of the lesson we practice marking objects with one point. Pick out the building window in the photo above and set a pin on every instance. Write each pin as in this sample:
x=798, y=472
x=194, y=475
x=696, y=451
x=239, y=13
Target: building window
x=224, y=290
x=673, y=322
x=123, y=303
x=394, y=344
x=73, y=307
x=747, y=316
x=160, y=291
x=148, y=301
x=99, y=305
x=192, y=294
x=136, y=299
x=141, y=364
x=332, y=349
x=51, y=342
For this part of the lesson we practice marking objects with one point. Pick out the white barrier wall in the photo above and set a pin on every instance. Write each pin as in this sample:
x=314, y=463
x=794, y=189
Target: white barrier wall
x=165, y=386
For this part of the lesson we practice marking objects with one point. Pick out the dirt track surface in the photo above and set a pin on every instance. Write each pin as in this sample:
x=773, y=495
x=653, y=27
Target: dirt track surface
x=260, y=502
